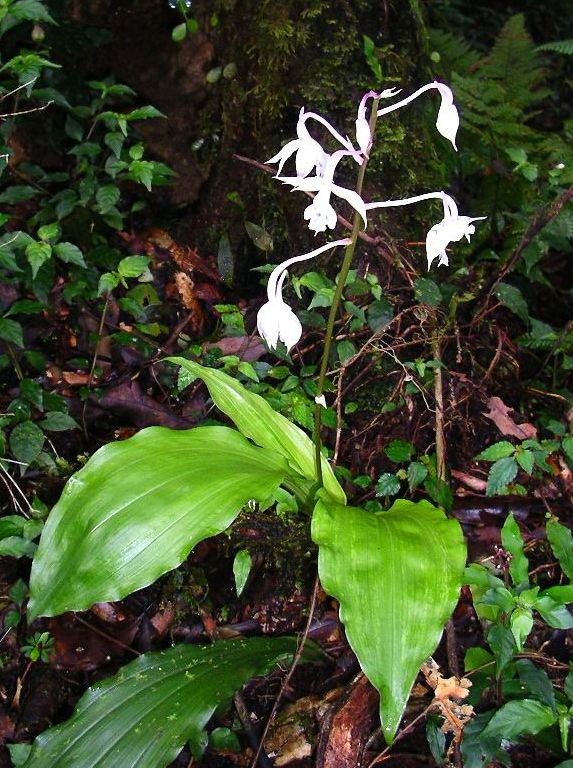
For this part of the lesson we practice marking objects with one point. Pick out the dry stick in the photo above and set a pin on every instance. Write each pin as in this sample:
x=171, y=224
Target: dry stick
x=95, y=357
x=539, y=222
x=293, y=666
x=108, y=637
x=243, y=713
x=451, y=643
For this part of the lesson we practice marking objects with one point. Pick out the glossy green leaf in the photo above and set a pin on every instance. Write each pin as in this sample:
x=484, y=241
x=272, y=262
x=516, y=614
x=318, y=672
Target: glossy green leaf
x=512, y=541
x=143, y=716
x=396, y=575
x=517, y=718
x=138, y=507
x=11, y=331
x=241, y=570
x=255, y=418
x=561, y=542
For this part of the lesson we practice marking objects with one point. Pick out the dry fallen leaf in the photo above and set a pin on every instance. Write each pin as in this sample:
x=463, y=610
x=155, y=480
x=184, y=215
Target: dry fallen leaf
x=448, y=693
x=499, y=414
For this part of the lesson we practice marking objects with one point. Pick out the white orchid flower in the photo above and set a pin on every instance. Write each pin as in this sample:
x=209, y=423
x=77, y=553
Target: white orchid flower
x=448, y=119
x=451, y=229
x=320, y=214
x=309, y=153
x=275, y=320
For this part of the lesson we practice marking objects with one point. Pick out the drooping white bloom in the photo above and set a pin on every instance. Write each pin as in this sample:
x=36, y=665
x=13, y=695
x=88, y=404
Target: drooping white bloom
x=320, y=214
x=309, y=153
x=448, y=120
x=275, y=320
x=450, y=230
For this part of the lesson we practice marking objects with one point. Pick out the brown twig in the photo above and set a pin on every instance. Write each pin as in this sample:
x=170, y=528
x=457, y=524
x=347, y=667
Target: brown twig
x=293, y=666
x=375, y=242
x=539, y=222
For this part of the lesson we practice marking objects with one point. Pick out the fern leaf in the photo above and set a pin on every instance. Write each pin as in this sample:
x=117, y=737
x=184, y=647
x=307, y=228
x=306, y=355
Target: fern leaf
x=559, y=46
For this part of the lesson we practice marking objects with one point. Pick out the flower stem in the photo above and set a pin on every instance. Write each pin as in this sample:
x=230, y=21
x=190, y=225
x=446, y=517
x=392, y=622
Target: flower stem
x=340, y=283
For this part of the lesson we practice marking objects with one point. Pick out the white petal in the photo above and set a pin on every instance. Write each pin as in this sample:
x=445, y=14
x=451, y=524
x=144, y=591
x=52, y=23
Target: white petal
x=283, y=154
x=436, y=241
x=353, y=198
x=448, y=122
x=268, y=323
x=290, y=328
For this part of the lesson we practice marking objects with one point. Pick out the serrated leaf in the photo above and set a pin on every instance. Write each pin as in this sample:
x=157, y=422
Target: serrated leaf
x=107, y=197
x=137, y=509
x=254, y=417
x=397, y=576
x=398, y=450
x=561, y=542
x=132, y=266
x=11, y=331
x=497, y=451
x=143, y=716
x=416, y=473
x=69, y=254
x=501, y=474
x=26, y=441
x=387, y=485
x=512, y=542
x=37, y=254
x=526, y=460
x=50, y=231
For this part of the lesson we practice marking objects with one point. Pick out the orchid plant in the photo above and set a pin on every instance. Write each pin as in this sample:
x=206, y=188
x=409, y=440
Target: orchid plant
x=276, y=321
x=139, y=506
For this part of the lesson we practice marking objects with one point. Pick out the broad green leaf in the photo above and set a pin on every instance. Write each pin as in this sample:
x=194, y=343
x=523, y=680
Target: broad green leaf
x=255, y=418
x=501, y=474
x=561, y=542
x=512, y=541
x=132, y=266
x=497, y=451
x=536, y=681
x=11, y=331
x=517, y=718
x=387, y=485
x=138, y=507
x=521, y=623
x=26, y=441
x=526, y=460
x=16, y=546
x=567, y=446
x=37, y=254
x=512, y=298
x=70, y=254
x=396, y=575
x=427, y=292
x=143, y=716
x=398, y=450
x=58, y=422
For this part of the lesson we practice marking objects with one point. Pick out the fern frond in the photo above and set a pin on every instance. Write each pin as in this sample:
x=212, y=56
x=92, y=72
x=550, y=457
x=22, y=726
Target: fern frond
x=456, y=54
x=559, y=46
